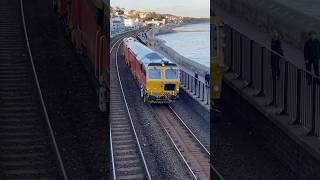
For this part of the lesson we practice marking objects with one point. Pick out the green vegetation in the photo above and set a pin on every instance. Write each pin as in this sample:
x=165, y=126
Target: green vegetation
x=155, y=16
x=190, y=20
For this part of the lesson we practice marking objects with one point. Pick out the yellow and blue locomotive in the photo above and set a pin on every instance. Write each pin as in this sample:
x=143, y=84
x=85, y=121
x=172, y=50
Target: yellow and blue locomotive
x=158, y=78
x=217, y=57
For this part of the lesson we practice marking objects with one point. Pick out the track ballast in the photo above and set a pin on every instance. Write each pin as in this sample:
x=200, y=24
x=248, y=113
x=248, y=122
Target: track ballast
x=27, y=145
x=127, y=157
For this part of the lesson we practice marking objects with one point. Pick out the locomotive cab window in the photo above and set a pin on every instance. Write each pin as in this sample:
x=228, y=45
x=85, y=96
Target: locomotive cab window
x=154, y=73
x=171, y=73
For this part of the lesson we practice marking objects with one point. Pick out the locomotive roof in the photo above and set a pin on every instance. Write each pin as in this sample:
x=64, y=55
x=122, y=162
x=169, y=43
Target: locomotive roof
x=145, y=54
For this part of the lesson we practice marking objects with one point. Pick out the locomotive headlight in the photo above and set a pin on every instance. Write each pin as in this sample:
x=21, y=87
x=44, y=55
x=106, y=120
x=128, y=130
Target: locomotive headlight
x=216, y=88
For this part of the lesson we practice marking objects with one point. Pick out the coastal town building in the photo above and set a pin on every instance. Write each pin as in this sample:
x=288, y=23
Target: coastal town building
x=143, y=14
x=156, y=23
x=116, y=25
x=132, y=23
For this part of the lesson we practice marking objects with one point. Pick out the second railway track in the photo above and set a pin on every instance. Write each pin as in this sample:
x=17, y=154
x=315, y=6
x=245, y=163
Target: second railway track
x=27, y=144
x=127, y=157
x=194, y=154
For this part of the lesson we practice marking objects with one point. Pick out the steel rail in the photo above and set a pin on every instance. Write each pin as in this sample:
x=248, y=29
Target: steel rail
x=110, y=132
x=174, y=144
x=189, y=130
x=128, y=111
x=65, y=177
x=197, y=139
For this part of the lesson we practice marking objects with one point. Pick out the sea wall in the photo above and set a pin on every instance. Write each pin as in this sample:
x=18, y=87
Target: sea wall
x=271, y=15
x=170, y=53
x=160, y=46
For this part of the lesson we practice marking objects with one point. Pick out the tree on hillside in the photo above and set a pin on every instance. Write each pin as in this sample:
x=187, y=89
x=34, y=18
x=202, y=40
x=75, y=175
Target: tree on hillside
x=136, y=14
x=155, y=16
x=119, y=10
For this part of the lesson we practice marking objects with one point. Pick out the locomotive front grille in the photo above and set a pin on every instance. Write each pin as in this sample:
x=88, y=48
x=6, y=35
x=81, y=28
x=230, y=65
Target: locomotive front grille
x=169, y=87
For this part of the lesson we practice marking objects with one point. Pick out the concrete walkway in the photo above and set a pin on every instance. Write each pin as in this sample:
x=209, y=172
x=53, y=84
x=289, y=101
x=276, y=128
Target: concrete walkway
x=308, y=7
x=291, y=53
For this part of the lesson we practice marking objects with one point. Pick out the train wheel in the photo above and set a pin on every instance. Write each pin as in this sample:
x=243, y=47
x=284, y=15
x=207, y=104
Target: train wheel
x=145, y=99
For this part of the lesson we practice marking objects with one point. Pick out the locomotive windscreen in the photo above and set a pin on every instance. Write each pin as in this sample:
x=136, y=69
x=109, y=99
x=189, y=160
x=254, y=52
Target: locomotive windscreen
x=154, y=74
x=171, y=74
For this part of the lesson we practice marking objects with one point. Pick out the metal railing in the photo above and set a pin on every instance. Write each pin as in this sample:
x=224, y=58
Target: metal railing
x=294, y=91
x=196, y=87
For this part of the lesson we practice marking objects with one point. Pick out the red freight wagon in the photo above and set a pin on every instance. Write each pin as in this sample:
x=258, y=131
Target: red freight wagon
x=89, y=29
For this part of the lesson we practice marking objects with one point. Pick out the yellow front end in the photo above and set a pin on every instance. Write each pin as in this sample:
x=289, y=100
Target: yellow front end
x=216, y=76
x=162, y=90
x=216, y=58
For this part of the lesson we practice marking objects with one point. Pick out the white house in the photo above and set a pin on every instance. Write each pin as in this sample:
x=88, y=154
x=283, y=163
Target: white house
x=116, y=25
x=157, y=23
x=131, y=23
x=143, y=14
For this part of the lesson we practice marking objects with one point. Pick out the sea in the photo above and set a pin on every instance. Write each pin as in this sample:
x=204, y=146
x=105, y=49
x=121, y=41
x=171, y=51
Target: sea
x=192, y=45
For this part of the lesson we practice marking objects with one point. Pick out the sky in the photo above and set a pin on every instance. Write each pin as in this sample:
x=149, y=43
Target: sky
x=189, y=8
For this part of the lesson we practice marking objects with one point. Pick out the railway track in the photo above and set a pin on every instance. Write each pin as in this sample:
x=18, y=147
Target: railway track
x=27, y=143
x=127, y=157
x=193, y=153
x=191, y=150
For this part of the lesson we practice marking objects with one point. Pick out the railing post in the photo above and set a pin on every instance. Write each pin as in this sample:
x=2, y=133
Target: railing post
x=192, y=84
x=199, y=90
x=202, y=92
x=181, y=78
x=185, y=79
x=188, y=81
x=207, y=94
x=297, y=120
x=231, y=51
x=274, y=88
x=249, y=84
x=313, y=108
x=240, y=64
x=285, y=89
x=195, y=86
x=261, y=92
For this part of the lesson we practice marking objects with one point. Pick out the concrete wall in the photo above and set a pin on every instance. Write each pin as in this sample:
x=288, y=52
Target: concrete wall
x=269, y=15
x=289, y=146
